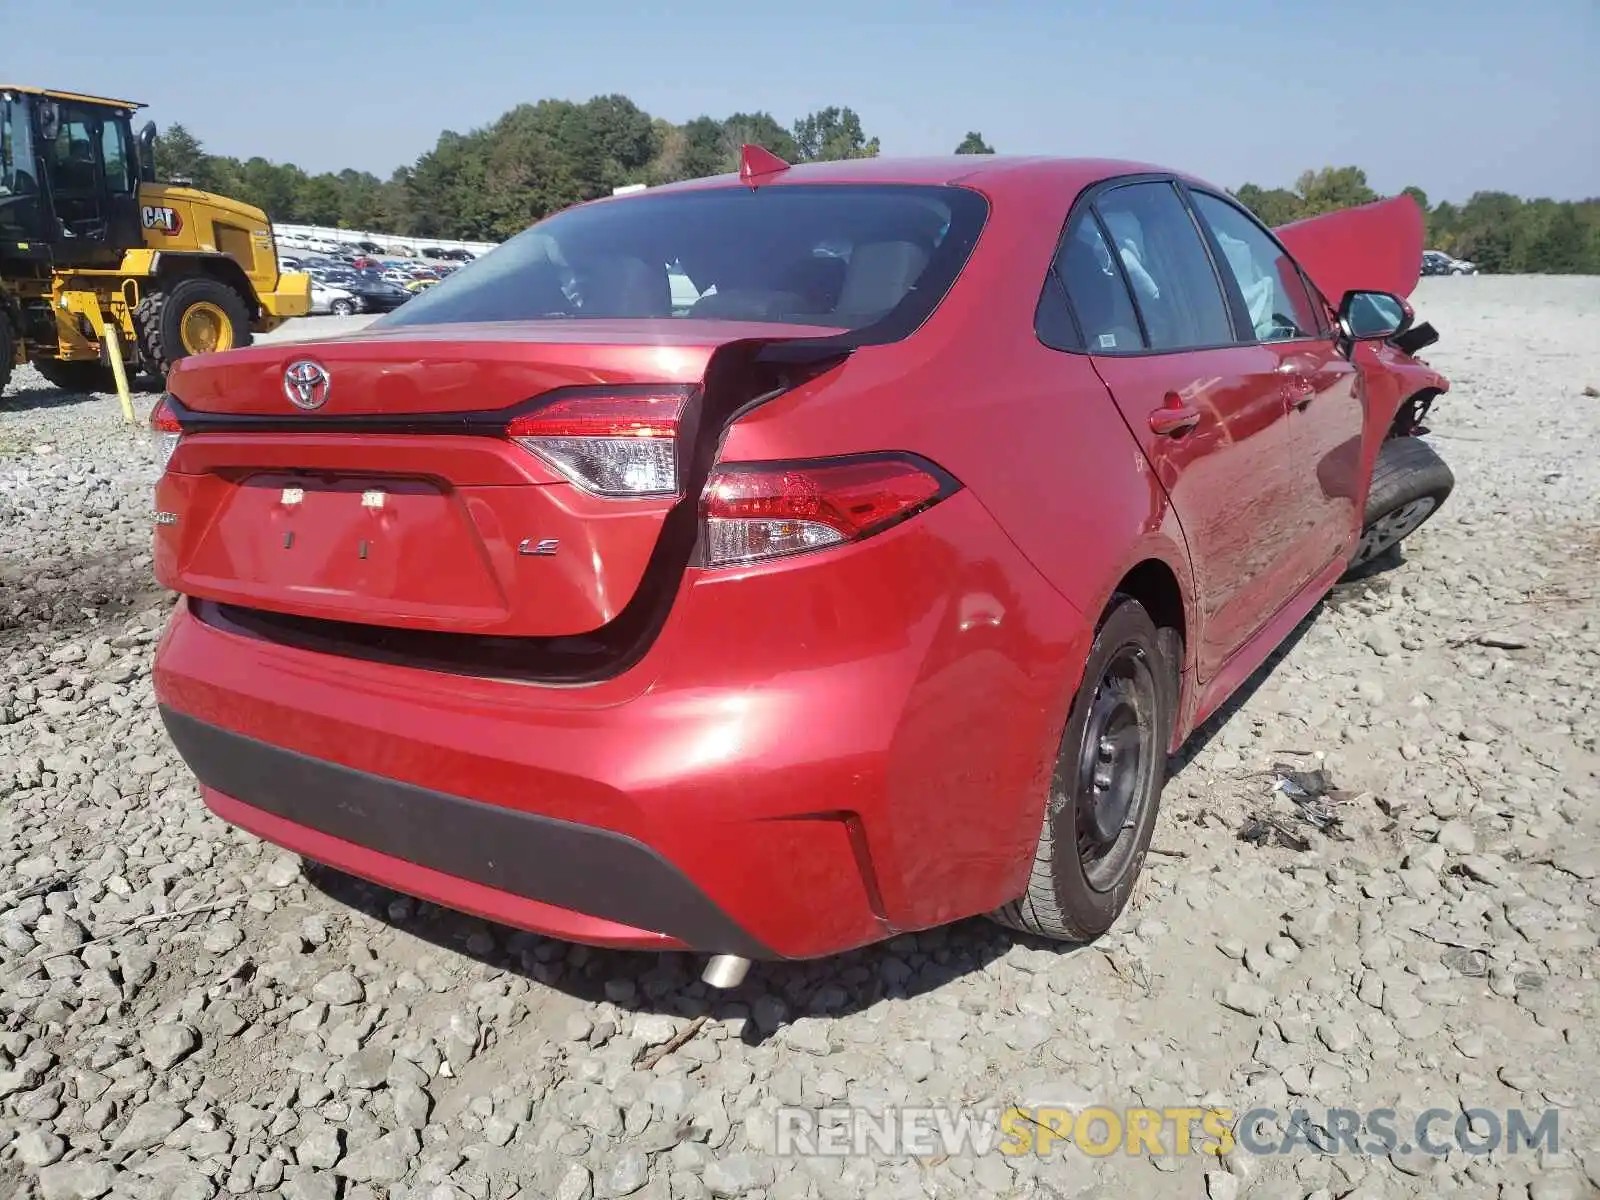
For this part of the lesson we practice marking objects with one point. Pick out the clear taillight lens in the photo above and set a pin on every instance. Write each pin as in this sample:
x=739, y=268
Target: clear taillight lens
x=164, y=432
x=754, y=512
x=608, y=445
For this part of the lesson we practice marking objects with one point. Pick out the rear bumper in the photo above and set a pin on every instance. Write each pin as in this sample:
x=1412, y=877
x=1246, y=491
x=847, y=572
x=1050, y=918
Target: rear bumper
x=813, y=755
x=576, y=880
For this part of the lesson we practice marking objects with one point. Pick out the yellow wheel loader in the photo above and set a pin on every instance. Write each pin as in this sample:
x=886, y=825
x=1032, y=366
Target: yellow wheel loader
x=91, y=244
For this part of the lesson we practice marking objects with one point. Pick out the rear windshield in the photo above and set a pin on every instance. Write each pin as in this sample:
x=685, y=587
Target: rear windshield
x=875, y=259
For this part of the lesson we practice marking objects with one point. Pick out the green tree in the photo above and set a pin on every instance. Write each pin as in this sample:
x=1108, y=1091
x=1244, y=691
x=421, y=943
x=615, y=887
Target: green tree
x=540, y=157
x=179, y=155
x=1275, y=206
x=833, y=133
x=1332, y=188
x=757, y=129
x=1486, y=230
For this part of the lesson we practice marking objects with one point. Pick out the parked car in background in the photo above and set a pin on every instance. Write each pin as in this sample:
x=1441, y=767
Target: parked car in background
x=1437, y=262
x=377, y=295
x=866, y=591
x=328, y=300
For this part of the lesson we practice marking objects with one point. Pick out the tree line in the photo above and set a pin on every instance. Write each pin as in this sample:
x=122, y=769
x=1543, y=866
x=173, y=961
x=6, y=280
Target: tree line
x=492, y=182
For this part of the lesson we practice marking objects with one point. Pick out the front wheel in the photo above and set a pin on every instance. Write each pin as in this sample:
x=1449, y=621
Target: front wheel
x=342, y=308
x=1409, y=483
x=197, y=315
x=1107, y=783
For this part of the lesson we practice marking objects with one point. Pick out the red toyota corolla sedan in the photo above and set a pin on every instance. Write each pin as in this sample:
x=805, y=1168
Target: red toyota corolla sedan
x=769, y=564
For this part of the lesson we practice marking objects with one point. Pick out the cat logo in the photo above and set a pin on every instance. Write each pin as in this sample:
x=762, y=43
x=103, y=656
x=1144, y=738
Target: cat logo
x=166, y=220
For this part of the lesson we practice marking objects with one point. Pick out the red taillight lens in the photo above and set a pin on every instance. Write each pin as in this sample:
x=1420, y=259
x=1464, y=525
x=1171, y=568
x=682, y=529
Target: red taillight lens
x=608, y=445
x=164, y=432
x=757, y=511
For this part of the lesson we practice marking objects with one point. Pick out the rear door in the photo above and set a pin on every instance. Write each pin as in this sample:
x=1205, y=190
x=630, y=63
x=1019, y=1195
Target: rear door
x=1275, y=309
x=1207, y=412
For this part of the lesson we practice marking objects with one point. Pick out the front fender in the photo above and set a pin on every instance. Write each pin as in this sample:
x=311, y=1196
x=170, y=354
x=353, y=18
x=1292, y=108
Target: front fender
x=1389, y=379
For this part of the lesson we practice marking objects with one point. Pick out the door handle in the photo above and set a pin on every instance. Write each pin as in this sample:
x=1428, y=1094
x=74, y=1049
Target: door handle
x=1174, y=421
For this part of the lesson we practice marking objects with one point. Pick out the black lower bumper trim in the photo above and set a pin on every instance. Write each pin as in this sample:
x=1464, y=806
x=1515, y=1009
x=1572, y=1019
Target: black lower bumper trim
x=576, y=867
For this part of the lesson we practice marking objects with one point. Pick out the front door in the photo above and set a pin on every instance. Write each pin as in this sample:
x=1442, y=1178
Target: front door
x=1207, y=411
x=1321, y=386
x=81, y=208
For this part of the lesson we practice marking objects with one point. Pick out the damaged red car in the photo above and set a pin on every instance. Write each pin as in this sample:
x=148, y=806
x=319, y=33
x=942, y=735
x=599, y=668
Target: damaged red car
x=769, y=564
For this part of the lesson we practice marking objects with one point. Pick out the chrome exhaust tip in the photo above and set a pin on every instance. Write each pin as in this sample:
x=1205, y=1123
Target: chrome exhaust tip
x=725, y=971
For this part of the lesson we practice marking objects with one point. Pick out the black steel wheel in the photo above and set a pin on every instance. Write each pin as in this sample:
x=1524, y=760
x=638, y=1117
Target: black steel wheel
x=1107, y=784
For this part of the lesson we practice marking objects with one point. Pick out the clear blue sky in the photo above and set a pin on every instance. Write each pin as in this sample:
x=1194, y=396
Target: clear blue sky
x=1452, y=95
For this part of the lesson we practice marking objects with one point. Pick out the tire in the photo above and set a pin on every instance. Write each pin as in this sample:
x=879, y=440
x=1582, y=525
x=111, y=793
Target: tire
x=79, y=375
x=1410, y=482
x=1089, y=855
x=342, y=308
x=161, y=317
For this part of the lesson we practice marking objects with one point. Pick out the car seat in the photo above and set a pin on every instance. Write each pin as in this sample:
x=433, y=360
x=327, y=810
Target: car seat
x=878, y=277
x=623, y=286
x=1095, y=289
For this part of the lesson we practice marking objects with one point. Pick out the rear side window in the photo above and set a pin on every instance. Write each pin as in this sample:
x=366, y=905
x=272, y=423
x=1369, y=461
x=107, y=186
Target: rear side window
x=1274, y=294
x=875, y=259
x=1095, y=288
x=1167, y=267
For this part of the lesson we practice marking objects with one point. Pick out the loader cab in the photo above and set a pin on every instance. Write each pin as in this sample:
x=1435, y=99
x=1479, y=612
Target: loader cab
x=69, y=178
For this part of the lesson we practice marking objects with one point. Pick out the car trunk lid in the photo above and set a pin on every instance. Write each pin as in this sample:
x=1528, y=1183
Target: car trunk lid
x=509, y=480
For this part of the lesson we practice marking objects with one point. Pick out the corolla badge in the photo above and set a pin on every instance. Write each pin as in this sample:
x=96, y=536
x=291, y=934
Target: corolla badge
x=306, y=384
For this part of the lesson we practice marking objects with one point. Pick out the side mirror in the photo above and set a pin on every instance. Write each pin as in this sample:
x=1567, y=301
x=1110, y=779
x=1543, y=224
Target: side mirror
x=1373, y=316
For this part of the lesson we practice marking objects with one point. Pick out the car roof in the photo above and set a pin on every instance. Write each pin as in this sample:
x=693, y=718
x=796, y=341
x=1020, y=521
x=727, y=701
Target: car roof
x=986, y=172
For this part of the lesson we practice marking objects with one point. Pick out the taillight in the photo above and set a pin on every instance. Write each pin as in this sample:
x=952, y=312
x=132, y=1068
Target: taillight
x=759, y=511
x=608, y=445
x=164, y=432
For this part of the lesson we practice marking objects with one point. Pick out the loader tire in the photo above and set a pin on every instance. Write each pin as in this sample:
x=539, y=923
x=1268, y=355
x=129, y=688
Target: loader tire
x=77, y=375
x=8, y=350
x=1409, y=484
x=196, y=315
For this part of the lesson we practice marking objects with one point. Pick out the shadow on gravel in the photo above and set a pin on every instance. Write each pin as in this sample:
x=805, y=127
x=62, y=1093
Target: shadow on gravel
x=667, y=982
x=61, y=598
x=25, y=399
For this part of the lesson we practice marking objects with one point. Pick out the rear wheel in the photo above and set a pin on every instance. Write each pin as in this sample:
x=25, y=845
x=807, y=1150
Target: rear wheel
x=342, y=308
x=197, y=315
x=1409, y=483
x=1107, y=784
x=79, y=375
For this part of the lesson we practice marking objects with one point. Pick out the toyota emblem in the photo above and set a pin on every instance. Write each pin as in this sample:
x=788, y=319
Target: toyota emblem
x=307, y=384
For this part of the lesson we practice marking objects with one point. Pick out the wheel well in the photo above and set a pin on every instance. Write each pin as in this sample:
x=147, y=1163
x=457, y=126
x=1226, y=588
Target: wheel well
x=1413, y=411
x=1153, y=585
x=175, y=267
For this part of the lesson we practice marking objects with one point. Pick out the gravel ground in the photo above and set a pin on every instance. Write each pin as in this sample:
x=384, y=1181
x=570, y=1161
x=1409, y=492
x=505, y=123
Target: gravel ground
x=185, y=1012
